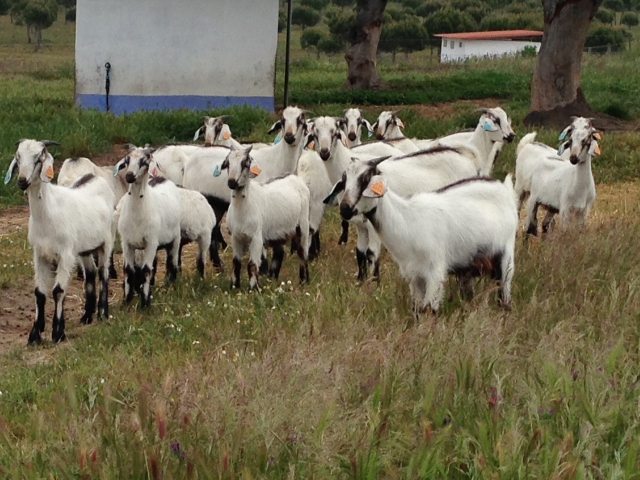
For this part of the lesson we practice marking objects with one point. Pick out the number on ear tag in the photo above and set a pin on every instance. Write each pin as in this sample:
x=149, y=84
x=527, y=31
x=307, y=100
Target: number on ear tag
x=597, y=136
x=49, y=172
x=255, y=169
x=226, y=135
x=217, y=171
x=377, y=188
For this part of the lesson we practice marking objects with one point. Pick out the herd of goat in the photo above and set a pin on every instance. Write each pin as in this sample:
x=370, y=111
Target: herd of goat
x=432, y=203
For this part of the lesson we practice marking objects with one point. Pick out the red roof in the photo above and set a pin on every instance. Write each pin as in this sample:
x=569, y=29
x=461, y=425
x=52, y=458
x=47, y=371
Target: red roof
x=491, y=35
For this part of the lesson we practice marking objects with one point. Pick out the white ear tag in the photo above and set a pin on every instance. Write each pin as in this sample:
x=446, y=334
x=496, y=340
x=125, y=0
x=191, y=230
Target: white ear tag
x=12, y=166
x=217, y=171
x=560, y=149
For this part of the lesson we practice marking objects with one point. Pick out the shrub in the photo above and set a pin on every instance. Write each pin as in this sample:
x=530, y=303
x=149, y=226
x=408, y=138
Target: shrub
x=529, y=51
x=510, y=21
x=70, y=16
x=428, y=8
x=318, y=5
x=330, y=45
x=339, y=23
x=310, y=38
x=305, y=17
x=600, y=38
x=344, y=3
x=282, y=21
x=448, y=20
x=408, y=35
x=605, y=16
x=629, y=19
x=615, y=5
x=618, y=110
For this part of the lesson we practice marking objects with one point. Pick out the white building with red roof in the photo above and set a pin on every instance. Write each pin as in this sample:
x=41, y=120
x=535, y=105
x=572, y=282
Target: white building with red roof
x=457, y=47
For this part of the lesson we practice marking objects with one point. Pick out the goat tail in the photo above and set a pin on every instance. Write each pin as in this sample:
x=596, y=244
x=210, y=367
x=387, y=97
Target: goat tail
x=526, y=140
x=508, y=183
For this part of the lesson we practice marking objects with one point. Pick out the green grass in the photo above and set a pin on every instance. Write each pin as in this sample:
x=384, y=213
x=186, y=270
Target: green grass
x=322, y=381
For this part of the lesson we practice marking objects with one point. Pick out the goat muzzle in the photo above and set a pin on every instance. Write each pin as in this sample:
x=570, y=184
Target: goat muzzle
x=574, y=159
x=379, y=136
x=130, y=177
x=325, y=153
x=232, y=183
x=23, y=183
x=290, y=138
x=346, y=211
x=510, y=138
x=352, y=136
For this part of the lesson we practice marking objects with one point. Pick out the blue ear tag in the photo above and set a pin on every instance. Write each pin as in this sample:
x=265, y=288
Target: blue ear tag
x=486, y=126
x=563, y=135
x=278, y=138
x=369, y=133
x=560, y=149
x=116, y=167
x=7, y=177
x=217, y=171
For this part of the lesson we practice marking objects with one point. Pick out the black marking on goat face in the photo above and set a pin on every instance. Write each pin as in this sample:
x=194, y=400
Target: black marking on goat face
x=83, y=180
x=156, y=181
x=347, y=206
x=466, y=181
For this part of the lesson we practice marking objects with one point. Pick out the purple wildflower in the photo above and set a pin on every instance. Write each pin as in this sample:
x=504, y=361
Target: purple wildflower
x=446, y=421
x=175, y=448
x=574, y=374
x=550, y=412
x=612, y=383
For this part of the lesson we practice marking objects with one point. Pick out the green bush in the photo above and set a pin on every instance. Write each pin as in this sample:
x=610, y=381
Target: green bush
x=330, y=45
x=630, y=19
x=70, y=16
x=510, y=21
x=615, y=5
x=448, y=20
x=340, y=23
x=407, y=35
x=305, y=17
x=428, y=8
x=618, y=110
x=318, y=5
x=605, y=16
x=601, y=38
x=282, y=21
x=529, y=51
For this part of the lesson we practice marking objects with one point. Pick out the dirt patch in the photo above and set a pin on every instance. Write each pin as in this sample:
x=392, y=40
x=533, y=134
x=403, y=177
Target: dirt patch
x=112, y=157
x=13, y=219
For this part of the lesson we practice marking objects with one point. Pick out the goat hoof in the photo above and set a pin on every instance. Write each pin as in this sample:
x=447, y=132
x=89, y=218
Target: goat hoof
x=34, y=337
x=86, y=319
x=58, y=337
x=113, y=274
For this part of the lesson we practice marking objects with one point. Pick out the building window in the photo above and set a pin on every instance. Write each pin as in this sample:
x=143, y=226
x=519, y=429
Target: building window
x=460, y=45
x=453, y=44
x=444, y=43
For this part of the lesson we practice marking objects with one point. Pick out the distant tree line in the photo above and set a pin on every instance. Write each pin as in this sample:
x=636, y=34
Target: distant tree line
x=37, y=15
x=410, y=25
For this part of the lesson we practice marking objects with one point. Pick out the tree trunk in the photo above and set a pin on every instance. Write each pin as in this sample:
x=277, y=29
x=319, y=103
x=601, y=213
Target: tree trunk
x=363, y=44
x=555, y=87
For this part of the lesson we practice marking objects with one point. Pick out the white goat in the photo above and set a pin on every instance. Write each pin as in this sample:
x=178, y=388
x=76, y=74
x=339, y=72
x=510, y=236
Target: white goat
x=216, y=132
x=265, y=213
x=388, y=127
x=415, y=173
x=149, y=220
x=467, y=228
x=560, y=186
x=202, y=172
x=74, y=168
x=352, y=126
x=170, y=161
x=64, y=223
x=494, y=128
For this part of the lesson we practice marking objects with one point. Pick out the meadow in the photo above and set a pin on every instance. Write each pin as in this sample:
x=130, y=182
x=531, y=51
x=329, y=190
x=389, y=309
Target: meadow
x=324, y=381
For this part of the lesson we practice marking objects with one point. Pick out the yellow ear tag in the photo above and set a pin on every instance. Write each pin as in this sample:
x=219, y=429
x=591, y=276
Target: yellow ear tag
x=226, y=135
x=49, y=172
x=377, y=188
x=255, y=169
x=597, y=150
x=311, y=145
x=597, y=136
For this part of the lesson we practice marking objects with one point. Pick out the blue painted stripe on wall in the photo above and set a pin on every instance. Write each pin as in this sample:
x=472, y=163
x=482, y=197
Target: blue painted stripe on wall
x=130, y=103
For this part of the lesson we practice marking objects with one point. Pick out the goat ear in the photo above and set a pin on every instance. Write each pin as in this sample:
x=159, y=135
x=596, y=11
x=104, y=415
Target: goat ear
x=275, y=127
x=564, y=133
x=308, y=141
x=594, y=149
x=119, y=166
x=223, y=166
x=489, y=126
x=377, y=187
x=12, y=166
x=335, y=191
x=367, y=124
x=226, y=132
x=46, y=173
x=254, y=170
x=342, y=137
x=199, y=133
x=399, y=123
x=563, y=147
x=597, y=136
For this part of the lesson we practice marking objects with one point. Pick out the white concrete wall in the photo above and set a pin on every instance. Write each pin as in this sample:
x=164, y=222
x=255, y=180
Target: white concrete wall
x=169, y=53
x=481, y=48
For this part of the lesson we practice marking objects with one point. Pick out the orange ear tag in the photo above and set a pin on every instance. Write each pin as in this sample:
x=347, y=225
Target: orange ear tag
x=49, y=172
x=377, y=188
x=226, y=135
x=311, y=145
x=597, y=150
x=255, y=169
x=597, y=136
